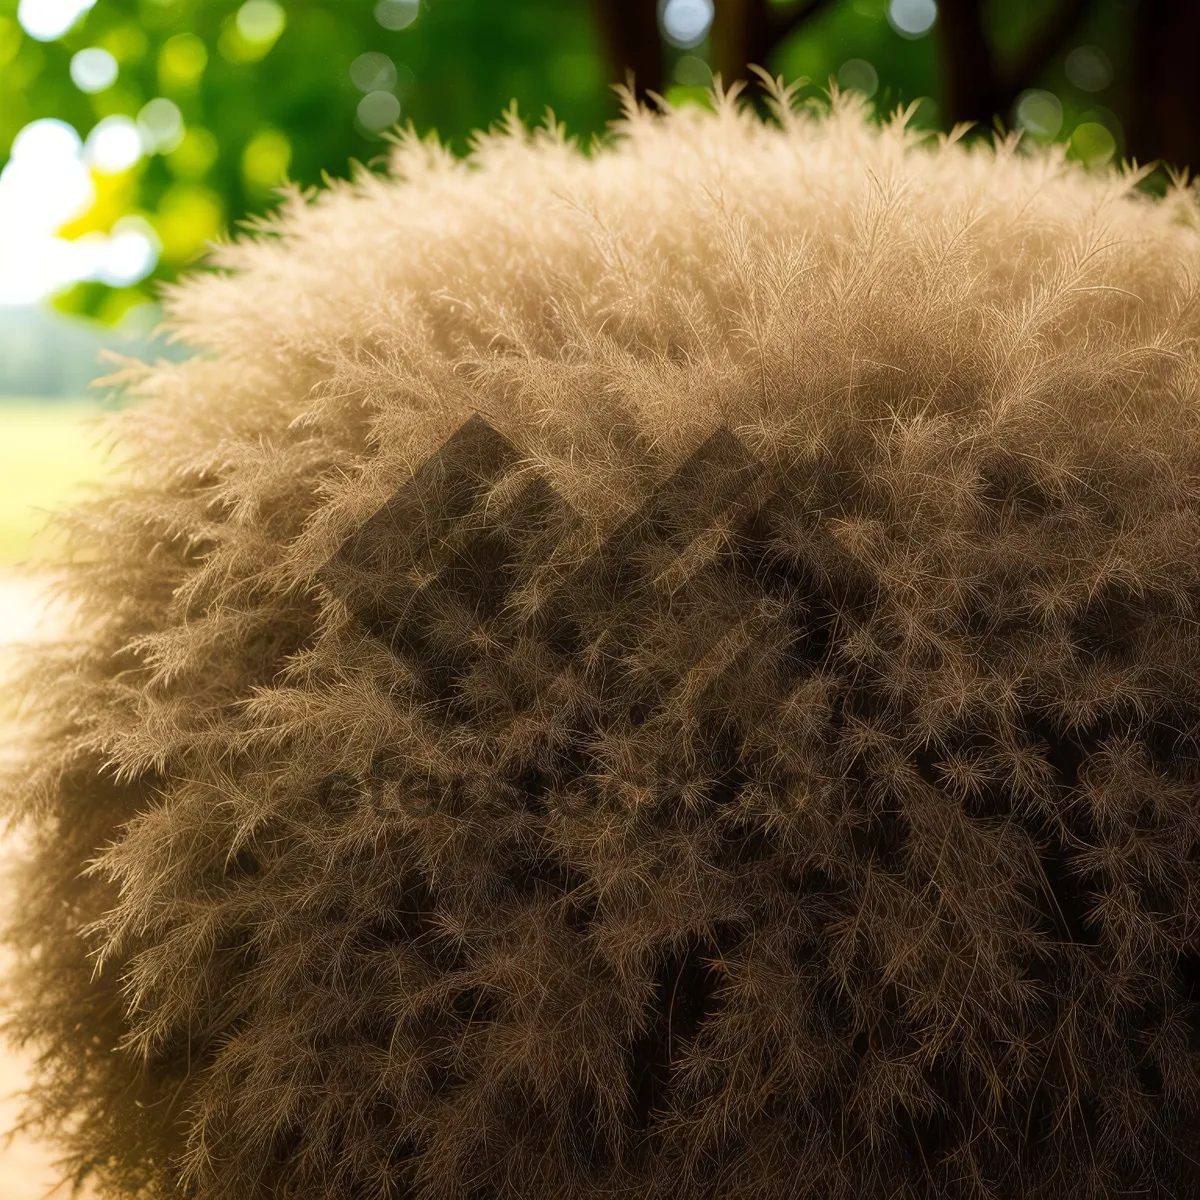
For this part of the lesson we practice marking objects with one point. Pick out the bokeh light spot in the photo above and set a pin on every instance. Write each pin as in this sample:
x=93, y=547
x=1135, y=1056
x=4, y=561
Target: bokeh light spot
x=195, y=155
x=1089, y=69
x=1093, y=144
x=691, y=71
x=126, y=43
x=858, y=75
x=188, y=217
x=114, y=145
x=43, y=185
x=47, y=20
x=248, y=36
x=686, y=23
x=912, y=18
x=181, y=62
x=373, y=72
x=261, y=20
x=265, y=158
x=1039, y=112
x=93, y=70
x=928, y=114
x=161, y=125
x=45, y=140
x=396, y=14
x=130, y=254
x=378, y=110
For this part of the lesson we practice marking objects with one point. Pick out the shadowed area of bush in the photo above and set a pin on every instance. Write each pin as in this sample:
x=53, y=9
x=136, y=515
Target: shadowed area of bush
x=666, y=673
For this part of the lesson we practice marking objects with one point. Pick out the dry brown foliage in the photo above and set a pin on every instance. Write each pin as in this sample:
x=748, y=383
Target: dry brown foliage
x=670, y=672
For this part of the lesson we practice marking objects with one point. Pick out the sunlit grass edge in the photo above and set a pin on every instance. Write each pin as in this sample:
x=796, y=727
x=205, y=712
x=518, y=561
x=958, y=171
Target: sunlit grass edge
x=48, y=450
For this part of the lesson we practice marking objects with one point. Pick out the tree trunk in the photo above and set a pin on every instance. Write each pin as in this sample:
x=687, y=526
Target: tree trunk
x=630, y=32
x=977, y=87
x=1164, y=116
x=736, y=38
x=970, y=90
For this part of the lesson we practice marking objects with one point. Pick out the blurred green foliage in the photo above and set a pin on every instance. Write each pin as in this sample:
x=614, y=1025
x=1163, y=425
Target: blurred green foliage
x=296, y=89
x=285, y=105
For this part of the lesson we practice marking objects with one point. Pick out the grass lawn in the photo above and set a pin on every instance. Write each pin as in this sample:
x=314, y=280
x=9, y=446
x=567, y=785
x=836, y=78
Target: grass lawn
x=46, y=450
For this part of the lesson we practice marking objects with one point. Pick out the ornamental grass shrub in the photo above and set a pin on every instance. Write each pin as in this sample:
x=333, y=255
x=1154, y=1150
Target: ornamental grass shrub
x=661, y=672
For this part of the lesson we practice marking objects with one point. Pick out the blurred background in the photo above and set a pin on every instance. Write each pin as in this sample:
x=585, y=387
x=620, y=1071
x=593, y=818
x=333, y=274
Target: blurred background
x=133, y=132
